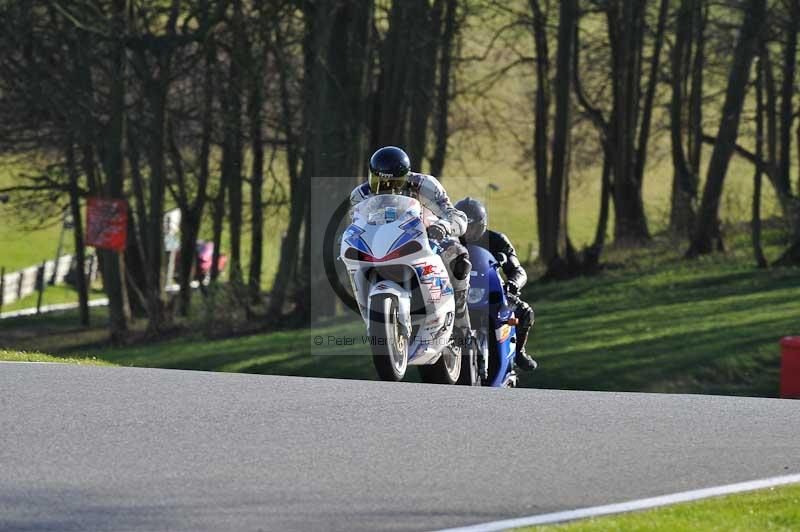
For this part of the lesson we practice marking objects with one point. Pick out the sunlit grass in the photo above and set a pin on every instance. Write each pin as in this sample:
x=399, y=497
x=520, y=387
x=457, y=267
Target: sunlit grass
x=774, y=509
x=23, y=356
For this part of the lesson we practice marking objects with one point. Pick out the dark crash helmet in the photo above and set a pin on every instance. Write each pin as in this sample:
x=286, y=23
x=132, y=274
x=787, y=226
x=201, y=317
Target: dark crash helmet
x=476, y=216
x=388, y=170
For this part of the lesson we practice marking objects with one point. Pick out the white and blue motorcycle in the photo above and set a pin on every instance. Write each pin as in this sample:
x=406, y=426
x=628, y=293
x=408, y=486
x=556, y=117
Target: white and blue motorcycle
x=404, y=293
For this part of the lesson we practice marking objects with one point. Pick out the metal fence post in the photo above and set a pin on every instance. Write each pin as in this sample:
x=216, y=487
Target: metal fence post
x=40, y=285
x=2, y=287
x=90, y=273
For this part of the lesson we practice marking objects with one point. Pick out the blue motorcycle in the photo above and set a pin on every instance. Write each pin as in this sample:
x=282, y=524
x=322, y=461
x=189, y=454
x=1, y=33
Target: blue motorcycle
x=493, y=320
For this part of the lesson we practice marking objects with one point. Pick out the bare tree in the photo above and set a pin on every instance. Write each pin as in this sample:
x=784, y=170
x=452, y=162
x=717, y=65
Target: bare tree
x=335, y=87
x=551, y=183
x=686, y=68
x=758, y=251
x=707, y=227
x=631, y=112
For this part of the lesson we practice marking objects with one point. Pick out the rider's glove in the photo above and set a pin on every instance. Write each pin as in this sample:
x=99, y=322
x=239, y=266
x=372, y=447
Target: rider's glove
x=512, y=288
x=436, y=233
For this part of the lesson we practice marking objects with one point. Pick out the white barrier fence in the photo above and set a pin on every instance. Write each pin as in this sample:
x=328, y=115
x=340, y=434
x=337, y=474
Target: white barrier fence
x=16, y=285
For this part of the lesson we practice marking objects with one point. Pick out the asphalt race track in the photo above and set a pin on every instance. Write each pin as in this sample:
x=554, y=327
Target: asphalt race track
x=90, y=448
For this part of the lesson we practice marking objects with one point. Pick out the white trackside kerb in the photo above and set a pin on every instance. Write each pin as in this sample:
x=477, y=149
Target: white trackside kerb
x=630, y=506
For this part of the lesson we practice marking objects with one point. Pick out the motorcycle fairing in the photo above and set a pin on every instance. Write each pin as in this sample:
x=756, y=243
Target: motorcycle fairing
x=494, y=311
x=380, y=235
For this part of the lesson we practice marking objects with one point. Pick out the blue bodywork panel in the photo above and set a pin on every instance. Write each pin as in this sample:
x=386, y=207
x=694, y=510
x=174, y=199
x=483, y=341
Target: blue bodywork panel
x=494, y=310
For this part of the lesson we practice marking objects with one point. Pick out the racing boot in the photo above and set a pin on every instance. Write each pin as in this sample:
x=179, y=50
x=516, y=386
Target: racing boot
x=526, y=319
x=523, y=360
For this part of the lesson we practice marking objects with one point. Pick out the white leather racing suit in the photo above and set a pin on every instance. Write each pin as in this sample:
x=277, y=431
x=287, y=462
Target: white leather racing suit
x=432, y=195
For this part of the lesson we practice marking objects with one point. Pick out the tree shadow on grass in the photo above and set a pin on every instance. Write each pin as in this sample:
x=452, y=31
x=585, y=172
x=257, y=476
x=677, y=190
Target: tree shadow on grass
x=700, y=362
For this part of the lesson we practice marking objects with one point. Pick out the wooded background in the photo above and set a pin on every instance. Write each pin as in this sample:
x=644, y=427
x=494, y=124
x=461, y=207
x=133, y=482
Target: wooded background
x=235, y=112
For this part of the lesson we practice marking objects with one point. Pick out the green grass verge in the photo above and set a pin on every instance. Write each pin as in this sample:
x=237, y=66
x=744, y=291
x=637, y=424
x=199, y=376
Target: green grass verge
x=666, y=325
x=23, y=356
x=775, y=509
x=651, y=323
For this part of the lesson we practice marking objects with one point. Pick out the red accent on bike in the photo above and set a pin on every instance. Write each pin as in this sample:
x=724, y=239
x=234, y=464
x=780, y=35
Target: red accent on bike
x=406, y=249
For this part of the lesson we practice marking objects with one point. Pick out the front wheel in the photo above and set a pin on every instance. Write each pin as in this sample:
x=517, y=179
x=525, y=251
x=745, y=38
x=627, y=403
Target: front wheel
x=446, y=370
x=389, y=346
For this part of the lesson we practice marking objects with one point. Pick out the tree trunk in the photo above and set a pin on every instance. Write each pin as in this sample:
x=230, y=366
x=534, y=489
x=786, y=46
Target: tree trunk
x=337, y=43
x=695, y=137
x=423, y=75
x=559, y=172
x=234, y=142
x=552, y=190
x=217, y=222
x=647, y=112
x=787, y=92
x=287, y=273
x=626, y=34
x=256, y=186
x=593, y=253
x=138, y=239
x=191, y=217
x=77, y=230
x=112, y=262
x=540, y=132
x=443, y=96
x=758, y=251
x=707, y=221
x=395, y=86
x=154, y=267
x=683, y=191
x=789, y=202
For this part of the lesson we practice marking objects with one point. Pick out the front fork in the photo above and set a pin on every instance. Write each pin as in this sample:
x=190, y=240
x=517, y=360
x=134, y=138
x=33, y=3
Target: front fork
x=403, y=297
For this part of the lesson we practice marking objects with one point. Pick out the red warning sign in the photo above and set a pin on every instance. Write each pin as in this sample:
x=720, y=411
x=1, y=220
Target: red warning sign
x=106, y=223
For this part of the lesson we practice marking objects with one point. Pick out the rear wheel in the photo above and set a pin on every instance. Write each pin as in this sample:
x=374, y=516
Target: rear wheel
x=389, y=346
x=446, y=370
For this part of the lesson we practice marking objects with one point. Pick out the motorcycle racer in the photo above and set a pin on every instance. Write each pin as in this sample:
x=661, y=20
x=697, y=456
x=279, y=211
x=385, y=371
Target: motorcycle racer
x=390, y=173
x=516, y=277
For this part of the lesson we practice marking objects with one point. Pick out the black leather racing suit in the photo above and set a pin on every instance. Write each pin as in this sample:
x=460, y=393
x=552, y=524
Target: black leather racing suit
x=498, y=243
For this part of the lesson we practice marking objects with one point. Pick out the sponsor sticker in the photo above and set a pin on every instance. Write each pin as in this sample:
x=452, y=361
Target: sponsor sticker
x=503, y=333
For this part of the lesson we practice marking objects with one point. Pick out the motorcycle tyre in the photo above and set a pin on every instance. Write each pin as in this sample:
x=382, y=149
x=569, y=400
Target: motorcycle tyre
x=383, y=330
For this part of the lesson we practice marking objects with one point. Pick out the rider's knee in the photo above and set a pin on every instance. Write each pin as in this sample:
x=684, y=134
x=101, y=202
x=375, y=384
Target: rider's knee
x=456, y=256
x=526, y=314
x=461, y=267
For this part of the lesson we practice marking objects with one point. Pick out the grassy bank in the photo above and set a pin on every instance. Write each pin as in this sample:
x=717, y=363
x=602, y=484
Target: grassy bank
x=24, y=356
x=649, y=322
x=776, y=509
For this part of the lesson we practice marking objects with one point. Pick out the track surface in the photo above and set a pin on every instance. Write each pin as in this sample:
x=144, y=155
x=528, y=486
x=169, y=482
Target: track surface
x=90, y=448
